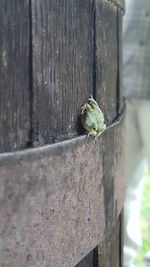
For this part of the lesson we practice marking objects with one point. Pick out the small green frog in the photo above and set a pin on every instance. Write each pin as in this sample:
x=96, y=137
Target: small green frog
x=92, y=118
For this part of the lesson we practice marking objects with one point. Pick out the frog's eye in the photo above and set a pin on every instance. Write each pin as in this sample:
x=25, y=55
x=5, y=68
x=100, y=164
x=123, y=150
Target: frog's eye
x=93, y=126
x=94, y=129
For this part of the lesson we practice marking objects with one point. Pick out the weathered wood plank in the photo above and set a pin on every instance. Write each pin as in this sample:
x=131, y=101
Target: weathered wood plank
x=64, y=39
x=14, y=73
x=109, y=154
x=120, y=95
x=62, y=66
x=106, y=57
x=108, y=45
x=87, y=261
x=54, y=199
x=109, y=249
x=109, y=94
x=90, y=260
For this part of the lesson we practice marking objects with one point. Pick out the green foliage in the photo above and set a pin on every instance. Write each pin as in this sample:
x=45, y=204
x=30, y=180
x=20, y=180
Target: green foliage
x=145, y=222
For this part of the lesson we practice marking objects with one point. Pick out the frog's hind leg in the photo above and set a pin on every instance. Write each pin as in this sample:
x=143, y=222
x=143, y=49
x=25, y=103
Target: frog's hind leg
x=85, y=107
x=92, y=101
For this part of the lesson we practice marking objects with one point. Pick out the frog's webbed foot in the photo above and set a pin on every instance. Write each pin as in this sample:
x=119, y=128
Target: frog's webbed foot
x=96, y=138
x=102, y=130
x=92, y=133
x=89, y=134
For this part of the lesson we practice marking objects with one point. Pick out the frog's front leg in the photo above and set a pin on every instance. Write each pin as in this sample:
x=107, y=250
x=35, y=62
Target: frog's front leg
x=95, y=136
x=92, y=132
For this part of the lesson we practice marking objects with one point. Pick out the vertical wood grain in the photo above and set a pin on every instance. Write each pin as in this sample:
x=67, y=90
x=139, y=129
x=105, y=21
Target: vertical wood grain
x=107, y=91
x=14, y=73
x=106, y=57
x=109, y=249
x=62, y=66
x=52, y=57
x=120, y=93
x=109, y=95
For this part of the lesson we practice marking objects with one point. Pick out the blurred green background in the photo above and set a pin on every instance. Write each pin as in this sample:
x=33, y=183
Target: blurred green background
x=145, y=222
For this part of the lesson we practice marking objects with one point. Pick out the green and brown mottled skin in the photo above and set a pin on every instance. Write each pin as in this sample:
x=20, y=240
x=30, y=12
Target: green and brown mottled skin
x=92, y=118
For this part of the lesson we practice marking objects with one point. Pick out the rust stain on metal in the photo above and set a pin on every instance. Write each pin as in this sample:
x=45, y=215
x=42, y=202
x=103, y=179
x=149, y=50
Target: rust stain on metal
x=52, y=199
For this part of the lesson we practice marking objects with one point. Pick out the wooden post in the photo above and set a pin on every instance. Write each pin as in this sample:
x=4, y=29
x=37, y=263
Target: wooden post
x=59, y=205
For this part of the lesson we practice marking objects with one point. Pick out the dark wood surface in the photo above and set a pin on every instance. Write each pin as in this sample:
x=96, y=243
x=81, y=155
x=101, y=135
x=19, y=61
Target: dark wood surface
x=120, y=98
x=106, y=53
x=14, y=75
x=109, y=249
x=90, y=260
x=62, y=66
x=108, y=253
x=109, y=94
x=53, y=54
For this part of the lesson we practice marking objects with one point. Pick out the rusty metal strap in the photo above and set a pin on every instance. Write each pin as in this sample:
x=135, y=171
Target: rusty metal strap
x=57, y=202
